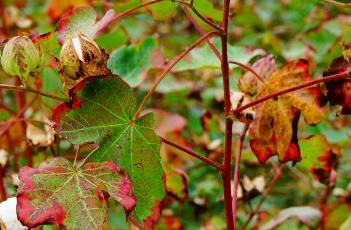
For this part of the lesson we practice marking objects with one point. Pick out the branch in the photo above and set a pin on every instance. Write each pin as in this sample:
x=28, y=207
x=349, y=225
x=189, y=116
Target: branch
x=190, y=5
x=175, y=60
x=288, y=90
x=277, y=174
x=194, y=154
x=200, y=30
x=348, y=5
x=236, y=170
x=31, y=90
x=132, y=10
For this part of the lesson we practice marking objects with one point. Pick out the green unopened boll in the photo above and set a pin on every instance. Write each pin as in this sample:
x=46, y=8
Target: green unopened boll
x=20, y=57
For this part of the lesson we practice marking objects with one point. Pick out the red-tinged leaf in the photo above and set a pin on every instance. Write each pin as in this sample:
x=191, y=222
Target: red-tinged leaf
x=263, y=67
x=339, y=91
x=274, y=131
x=60, y=193
x=83, y=20
x=317, y=157
x=101, y=111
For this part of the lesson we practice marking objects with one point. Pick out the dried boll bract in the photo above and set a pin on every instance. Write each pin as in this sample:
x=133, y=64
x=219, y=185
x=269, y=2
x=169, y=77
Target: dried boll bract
x=81, y=57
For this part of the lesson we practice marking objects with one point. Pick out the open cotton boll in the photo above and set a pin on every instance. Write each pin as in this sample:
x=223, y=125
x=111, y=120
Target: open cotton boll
x=8, y=215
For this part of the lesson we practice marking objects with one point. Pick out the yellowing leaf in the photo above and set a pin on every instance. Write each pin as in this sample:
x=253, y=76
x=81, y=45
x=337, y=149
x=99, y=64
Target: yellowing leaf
x=274, y=130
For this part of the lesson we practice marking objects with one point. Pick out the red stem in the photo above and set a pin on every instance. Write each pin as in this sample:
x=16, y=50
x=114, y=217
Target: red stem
x=200, y=30
x=31, y=90
x=194, y=154
x=226, y=174
x=237, y=171
x=288, y=90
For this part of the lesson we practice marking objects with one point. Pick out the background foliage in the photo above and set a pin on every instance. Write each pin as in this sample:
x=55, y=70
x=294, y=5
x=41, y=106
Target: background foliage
x=188, y=106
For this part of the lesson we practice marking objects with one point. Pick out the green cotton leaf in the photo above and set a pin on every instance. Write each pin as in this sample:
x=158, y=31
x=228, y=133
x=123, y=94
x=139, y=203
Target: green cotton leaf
x=51, y=84
x=130, y=62
x=112, y=40
x=204, y=57
x=60, y=193
x=103, y=114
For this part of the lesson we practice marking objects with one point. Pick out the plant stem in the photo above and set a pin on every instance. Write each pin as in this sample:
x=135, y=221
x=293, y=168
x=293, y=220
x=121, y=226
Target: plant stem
x=226, y=174
x=132, y=10
x=237, y=171
x=31, y=90
x=277, y=174
x=194, y=154
x=248, y=68
x=288, y=90
x=175, y=60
